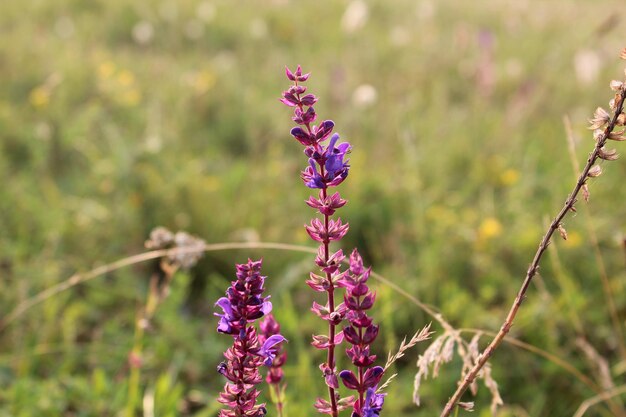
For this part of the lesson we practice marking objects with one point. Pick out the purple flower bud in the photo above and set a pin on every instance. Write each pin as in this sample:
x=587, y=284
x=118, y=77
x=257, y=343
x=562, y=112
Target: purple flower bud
x=322, y=131
x=335, y=231
x=302, y=136
x=351, y=335
x=370, y=334
x=308, y=100
x=297, y=76
x=304, y=117
x=372, y=376
x=349, y=379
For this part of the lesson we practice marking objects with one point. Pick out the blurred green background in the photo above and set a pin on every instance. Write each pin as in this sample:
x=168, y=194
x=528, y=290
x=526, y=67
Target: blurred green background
x=119, y=116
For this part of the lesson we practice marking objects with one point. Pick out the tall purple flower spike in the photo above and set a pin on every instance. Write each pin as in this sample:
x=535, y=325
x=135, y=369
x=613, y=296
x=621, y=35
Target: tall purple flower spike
x=327, y=167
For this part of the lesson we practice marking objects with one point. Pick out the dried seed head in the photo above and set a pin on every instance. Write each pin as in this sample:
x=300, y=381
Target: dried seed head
x=612, y=103
x=608, y=155
x=586, y=194
x=600, y=118
x=621, y=119
x=622, y=54
x=595, y=171
x=616, y=85
x=467, y=406
x=617, y=136
x=562, y=231
x=597, y=134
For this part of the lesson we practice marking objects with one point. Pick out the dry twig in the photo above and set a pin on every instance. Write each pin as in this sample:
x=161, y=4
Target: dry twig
x=602, y=119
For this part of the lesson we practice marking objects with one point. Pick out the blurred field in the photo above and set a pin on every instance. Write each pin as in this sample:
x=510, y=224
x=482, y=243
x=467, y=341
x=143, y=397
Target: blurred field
x=118, y=116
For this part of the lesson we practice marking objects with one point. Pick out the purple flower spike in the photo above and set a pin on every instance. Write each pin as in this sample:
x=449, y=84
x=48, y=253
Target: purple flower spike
x=328, y=167
x=242, y=305
x=360, y=333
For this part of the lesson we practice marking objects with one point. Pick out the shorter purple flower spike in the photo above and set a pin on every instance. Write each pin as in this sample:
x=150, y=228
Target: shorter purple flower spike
x=242, y=305
x=360, y=333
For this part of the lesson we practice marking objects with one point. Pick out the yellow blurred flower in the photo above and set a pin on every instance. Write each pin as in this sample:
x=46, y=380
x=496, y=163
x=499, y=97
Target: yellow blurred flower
x=509, y=177
x=212, y=183
x=489, y=228
x=39, y=97
x=106, y=70
x=126, y=78
x=130, y=97
x=203, y=81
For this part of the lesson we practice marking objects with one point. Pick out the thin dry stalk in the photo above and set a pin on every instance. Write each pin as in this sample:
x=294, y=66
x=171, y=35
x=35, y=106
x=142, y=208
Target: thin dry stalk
x=590, y=170
x=604, y=278
x=598, y=362
x=590, y=402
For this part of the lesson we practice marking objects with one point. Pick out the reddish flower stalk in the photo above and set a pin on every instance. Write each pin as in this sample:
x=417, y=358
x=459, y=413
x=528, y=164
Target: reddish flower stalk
x=326, y=168
x=269, y=327
x=243, y=305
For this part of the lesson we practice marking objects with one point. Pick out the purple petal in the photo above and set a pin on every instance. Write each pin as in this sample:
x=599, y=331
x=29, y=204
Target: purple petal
x=268, y=351
x=225, y=305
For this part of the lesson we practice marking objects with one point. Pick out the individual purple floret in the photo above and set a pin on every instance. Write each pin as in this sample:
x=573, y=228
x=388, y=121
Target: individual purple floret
x=270, y=334
x=360, y=333
x=373, y=403
x=242, y=305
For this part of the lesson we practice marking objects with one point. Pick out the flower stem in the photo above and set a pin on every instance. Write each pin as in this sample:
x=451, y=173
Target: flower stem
x=330, y=358
x=534, y=266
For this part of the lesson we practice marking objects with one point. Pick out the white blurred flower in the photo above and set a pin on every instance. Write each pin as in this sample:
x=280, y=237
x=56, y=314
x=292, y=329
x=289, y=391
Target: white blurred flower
x=64, y=27
x=364, y=95
x=143, y=32
x=399, y=36
x=168, y=10
x=194, y=29
x=425, y=10
x=258, y=28
x=205, y=11
x=355, y=16
x=587, y=65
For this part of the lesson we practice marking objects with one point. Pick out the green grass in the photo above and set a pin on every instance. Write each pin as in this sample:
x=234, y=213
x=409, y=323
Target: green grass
x=103, y=138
